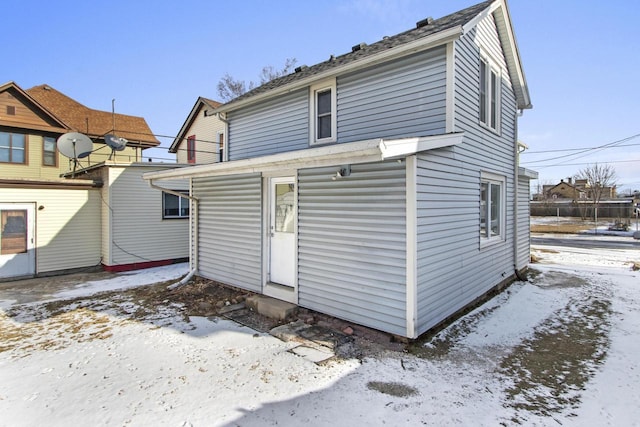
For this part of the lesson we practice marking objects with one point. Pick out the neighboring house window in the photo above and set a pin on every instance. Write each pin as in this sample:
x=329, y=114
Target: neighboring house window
x=174, y=206
x=323, y=113
x=13, y=148
x=489, y=94
x=49, y=152
x=191, y=149
x=221, y=147
x=492, y=207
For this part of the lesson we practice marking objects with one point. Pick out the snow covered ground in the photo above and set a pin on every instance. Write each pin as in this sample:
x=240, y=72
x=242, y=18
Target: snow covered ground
x=560, y=349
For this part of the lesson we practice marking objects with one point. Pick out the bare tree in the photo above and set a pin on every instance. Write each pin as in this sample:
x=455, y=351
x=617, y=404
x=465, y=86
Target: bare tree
x=230, y=88
x=599, y=178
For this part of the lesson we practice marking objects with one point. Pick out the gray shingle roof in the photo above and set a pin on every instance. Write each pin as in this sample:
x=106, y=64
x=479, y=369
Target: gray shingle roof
x=456, y=19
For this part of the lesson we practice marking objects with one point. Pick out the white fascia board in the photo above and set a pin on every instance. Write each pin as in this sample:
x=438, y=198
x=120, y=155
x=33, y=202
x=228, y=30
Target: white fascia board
x=527, y=173
x=425, y=43
x=404, y=147
x=366, y=151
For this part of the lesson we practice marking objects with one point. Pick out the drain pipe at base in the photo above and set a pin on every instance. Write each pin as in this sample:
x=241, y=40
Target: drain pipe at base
x=516, y=183
x=193, y=236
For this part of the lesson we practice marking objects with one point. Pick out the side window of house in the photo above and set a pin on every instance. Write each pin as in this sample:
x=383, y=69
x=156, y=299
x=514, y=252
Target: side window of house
x=489, y=94
x=492, y=207
x=174, y=206
x=221, y=147
x=13, y=148
x=322, y=108
x=191, y=149
x=49, y=152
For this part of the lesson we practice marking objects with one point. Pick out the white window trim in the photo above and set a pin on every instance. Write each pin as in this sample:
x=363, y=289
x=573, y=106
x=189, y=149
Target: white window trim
x=492, y=67
x=181, y=201
x=314, y=90
x=491, y=178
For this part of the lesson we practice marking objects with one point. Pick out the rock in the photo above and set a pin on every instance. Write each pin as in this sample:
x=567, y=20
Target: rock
x=234, y=301
x=205, y=307
x=220, y=304
x=348, y=330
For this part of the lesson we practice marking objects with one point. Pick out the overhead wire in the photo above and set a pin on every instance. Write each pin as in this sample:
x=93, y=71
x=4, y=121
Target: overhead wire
x=581, y=153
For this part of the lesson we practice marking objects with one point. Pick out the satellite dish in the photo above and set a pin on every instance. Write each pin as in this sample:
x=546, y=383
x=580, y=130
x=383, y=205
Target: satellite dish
x=75, y=145
x=116, y=144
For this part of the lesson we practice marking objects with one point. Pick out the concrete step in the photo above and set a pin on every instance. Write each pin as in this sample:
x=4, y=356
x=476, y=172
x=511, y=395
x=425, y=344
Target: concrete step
x=271, y=307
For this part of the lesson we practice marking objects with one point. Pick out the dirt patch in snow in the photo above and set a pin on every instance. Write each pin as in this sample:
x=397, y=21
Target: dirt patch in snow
x=549, y=370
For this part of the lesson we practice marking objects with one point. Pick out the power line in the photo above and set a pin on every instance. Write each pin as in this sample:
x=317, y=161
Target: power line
x=586, y=152
x=579, y=164
x=573, y=149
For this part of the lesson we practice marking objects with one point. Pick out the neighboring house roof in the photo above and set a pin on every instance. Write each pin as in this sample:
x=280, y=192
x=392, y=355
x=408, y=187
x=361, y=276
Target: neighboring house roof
x=94, y=123
x=562, y=187
x=201, y=103
x=428, y=31
x=16, y=91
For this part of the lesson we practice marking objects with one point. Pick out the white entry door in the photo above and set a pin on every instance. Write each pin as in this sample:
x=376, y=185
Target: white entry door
x=17, y=246
x=282, y=232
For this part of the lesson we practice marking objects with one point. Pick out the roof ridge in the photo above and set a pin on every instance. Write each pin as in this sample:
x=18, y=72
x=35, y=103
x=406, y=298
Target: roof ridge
x=429, y=27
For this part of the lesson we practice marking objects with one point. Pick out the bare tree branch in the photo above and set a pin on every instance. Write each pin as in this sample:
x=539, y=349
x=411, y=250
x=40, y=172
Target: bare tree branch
x=230, y=88
x=599, y=178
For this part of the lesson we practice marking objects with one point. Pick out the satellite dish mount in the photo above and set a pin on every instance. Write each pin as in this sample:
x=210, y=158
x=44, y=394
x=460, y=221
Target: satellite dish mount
x=74, y=145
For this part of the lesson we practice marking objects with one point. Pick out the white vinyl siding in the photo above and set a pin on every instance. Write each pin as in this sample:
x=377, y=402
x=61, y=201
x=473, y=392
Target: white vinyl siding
x=275, y=126
x=138, y=232
x=206, y=130
x=67, y=226
x=230, y=229
x=397, y=99
x=352, y=244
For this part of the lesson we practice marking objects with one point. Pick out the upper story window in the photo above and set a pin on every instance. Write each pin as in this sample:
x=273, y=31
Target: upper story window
x=492, y=208
x=221, y=147
x=13, y=148
x=322, y=108
x=49, y=151
x=174, y=206
x=191, y=149
x=489, y=94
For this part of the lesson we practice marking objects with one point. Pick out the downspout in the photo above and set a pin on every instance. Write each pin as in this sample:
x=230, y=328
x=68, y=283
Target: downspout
x=193, y=252
x=516, y=183
x=226, y=135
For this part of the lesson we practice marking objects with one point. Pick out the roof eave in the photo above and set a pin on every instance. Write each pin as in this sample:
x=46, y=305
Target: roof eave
x=418, y=45
x=187, y=123
x=366, y=151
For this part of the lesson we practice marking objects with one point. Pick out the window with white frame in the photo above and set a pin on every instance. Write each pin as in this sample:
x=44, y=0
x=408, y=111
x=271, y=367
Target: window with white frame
x=174, y=207
x=489, y=94
x=492, y=207
x=322, y=108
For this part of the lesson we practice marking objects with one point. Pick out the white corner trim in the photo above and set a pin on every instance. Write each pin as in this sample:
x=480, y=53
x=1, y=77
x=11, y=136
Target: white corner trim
x=450, y=110
x=411, y=246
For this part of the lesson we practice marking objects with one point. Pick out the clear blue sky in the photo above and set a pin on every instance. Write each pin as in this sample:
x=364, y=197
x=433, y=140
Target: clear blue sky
x=155, y=58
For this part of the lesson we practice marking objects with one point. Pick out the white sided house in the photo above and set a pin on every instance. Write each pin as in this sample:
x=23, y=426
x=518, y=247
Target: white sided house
x=140, y=227
x=381, y=186
x=202, y=136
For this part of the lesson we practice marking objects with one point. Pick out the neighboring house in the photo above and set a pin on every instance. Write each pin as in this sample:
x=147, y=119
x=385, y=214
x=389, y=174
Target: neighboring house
x=202, y=136
x=50, y=224
x=563, y=190
x=381, y=186
x=578, y=189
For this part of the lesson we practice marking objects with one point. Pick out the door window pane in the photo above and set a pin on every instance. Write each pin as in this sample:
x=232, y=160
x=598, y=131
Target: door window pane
x=13, y=232
x=284, y=208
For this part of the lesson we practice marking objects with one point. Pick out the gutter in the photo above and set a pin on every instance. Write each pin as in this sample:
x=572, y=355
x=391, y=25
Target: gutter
x=366, y=151
x=193, y=236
